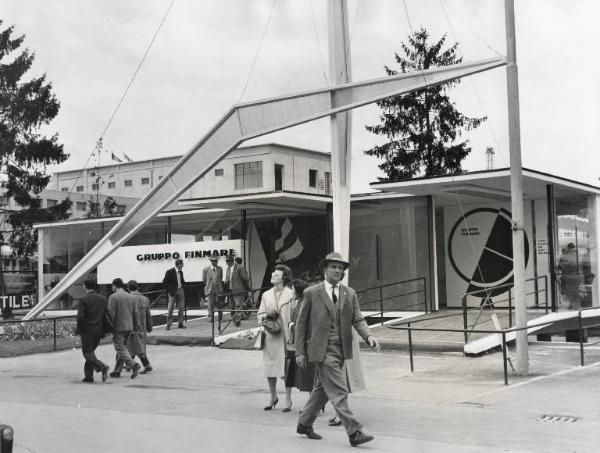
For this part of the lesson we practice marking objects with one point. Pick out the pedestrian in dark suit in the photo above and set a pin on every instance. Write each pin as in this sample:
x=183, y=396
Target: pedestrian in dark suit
x=237, y=281
x=212, y=276
x=90, y=325
x=121, y=308
x=142, y=306
x=173, y=282
x=324, y=337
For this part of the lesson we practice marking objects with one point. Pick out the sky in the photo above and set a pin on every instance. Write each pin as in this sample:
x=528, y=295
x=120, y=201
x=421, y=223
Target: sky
x=208, y=56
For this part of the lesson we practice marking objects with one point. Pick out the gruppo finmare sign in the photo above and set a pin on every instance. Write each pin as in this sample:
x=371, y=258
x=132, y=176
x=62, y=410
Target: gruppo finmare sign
x=148, y=263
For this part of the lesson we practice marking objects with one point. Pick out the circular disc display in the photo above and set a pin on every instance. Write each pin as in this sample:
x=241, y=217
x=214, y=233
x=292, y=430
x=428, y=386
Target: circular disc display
x=480, y=249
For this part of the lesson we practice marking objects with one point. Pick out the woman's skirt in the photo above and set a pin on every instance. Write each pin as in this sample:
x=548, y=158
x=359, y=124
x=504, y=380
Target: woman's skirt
x=290, y=369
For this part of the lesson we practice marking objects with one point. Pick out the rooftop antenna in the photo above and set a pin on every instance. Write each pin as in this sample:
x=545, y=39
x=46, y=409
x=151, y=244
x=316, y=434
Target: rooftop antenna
x=489, y=158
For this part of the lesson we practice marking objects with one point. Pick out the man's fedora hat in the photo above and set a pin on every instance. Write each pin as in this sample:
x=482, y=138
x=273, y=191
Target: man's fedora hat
x=214, y=257
x=334, y=257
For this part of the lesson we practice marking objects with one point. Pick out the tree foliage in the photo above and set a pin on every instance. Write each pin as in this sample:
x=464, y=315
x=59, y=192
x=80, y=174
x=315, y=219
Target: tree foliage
x=424, y=127
x=27, y=104
x=109, y=208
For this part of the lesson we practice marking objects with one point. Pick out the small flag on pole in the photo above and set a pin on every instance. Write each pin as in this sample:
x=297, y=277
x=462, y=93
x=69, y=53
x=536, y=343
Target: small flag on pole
x=115, y=158
x=127, y=158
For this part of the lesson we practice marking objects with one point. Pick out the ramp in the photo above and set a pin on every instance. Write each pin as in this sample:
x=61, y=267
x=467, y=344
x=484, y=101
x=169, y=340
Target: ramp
x=243, y=122
x=550, y=323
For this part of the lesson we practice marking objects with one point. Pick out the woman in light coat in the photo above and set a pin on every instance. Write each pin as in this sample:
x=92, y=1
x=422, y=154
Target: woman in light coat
x=276, y=300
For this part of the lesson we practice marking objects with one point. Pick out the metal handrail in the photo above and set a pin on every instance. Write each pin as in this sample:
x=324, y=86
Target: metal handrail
x=503, y=332
x=224, y=296
x=220, y=328
x=53, y=319
x=487, y=291
x=580, y=329
x=381, y=299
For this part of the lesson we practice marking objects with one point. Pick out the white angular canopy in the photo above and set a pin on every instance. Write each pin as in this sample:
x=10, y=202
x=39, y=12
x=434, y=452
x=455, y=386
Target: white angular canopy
x=243, y=122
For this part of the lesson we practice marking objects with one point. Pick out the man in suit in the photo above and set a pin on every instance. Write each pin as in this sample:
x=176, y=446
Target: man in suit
x=212, y=276
x=142, y=306
x=90, y=325
x=324, y=337
x=237, y=282
x=173, y=282
x=121, y=308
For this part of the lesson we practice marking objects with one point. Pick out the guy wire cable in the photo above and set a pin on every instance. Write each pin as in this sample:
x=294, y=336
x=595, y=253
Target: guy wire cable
x=312, y=13
x=123, y=95
x=489, y=122
x=262, y=38
x=470, y=241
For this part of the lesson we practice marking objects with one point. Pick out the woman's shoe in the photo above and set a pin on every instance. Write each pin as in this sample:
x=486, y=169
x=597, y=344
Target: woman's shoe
x=288, y=408
x=272, y=405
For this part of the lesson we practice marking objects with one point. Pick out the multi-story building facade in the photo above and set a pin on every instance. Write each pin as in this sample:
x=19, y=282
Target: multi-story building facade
x=250, y=169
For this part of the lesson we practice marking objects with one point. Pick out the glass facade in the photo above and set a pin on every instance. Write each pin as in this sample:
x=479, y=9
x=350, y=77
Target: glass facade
x=63, y=247
x=389, y=245
x=575, y=249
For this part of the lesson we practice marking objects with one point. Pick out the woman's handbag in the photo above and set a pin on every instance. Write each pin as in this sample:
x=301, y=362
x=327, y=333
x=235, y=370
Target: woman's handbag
x=270, y=323
x=259, y=342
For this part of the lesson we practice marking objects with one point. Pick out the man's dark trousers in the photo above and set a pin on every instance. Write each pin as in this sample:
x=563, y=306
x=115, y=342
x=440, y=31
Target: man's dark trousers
x=89, y=343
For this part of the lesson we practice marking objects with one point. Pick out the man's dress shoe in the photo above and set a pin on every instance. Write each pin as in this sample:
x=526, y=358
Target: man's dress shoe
x=135, y=370
x=105, y=373
x=87, y=379
x=308, y=431
x=359, y=438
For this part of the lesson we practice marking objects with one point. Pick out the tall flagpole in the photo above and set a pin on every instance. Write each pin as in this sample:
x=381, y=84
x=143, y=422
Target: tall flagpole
x=341, y=126
x=516, y=189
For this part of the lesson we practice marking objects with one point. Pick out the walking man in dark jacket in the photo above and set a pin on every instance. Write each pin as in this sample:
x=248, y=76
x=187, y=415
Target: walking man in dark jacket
x=90, y=325
x=121, y=307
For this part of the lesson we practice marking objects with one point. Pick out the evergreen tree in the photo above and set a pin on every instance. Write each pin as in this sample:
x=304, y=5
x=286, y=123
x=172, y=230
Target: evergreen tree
x=26, y=105
x=424, y=127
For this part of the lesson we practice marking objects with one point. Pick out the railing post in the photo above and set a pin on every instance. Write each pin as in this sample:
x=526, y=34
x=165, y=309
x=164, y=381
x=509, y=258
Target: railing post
x=464, y=307
x=546, y=291
x=54, y=333
x=6, y=439
x=381, y=303
x=185, y=307
x=504, y=358
x=510, y=307
x=582, y=360
x=425, y=294
x=410, y=349
x=211, y=312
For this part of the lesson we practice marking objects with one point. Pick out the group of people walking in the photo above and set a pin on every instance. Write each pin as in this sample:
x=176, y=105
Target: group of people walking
x=307, y=327
x=127, y=316
x=309, y=343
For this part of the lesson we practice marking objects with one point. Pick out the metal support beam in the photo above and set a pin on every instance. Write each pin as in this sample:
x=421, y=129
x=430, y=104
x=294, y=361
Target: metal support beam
x=551, y=246
x=341, y=127
x=243, y=122
x=516, y=190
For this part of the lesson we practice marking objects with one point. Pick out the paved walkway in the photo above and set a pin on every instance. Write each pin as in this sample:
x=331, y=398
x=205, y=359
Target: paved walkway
x=210, y=399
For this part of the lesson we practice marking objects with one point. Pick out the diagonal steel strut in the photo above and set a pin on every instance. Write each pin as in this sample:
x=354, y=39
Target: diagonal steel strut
x=243, y=122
